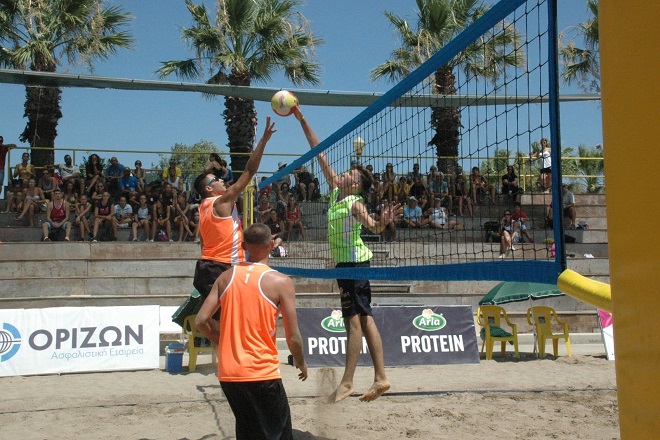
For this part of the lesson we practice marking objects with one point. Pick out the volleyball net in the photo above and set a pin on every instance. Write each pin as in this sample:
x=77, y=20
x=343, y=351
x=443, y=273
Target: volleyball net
x=480, y=104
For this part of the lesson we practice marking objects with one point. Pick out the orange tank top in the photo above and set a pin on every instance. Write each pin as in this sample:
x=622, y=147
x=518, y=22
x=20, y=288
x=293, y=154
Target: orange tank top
x=247, y=348
x=221, y=236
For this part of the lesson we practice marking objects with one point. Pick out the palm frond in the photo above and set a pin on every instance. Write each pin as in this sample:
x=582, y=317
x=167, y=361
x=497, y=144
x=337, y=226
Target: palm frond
x=185, y=69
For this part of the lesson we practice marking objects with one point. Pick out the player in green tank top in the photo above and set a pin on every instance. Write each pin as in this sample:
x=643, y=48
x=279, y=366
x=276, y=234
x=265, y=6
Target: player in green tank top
x=346, y=215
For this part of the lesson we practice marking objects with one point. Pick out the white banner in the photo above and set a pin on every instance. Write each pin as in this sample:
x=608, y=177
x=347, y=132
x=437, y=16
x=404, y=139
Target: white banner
x=78, y=339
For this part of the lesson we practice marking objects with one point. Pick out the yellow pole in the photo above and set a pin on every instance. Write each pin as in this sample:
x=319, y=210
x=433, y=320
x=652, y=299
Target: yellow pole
x=630, y=66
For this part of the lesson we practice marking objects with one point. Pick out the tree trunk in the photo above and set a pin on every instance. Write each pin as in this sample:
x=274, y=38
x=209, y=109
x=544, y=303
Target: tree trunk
x=240, y=122
x=446, y=122
x=42, y=109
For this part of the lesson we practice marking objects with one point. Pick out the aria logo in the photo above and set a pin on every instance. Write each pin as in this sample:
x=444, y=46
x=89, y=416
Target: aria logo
x=429, y=321
x=10, y=342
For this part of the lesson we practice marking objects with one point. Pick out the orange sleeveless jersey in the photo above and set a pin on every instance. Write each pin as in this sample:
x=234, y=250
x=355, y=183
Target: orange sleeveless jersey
x=247, y=349
x=221, y=236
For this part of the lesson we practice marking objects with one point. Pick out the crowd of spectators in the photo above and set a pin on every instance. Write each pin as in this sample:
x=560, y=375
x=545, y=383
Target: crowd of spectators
x=101, y=200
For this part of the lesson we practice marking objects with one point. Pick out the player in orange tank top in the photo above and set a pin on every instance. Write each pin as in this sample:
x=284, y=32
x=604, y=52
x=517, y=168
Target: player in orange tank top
x=250, y=297
x=220, y=228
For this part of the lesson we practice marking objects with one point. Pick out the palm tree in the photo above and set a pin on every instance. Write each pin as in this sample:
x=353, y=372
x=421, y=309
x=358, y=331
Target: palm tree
x=582, y=65
x=42, y=35
x=438, y=22
x=247, y=41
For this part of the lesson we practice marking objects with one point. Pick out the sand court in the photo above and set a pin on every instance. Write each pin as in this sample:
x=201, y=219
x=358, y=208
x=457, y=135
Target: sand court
x=527, y=398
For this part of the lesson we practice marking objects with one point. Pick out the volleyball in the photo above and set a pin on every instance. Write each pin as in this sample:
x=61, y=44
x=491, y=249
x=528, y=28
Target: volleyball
x=284, y=102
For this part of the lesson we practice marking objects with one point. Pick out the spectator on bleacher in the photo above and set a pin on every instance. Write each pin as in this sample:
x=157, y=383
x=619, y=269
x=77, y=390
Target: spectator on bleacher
x=279, y=183
x=4, y=148
x=415, y=173
x=93, y=171
x=389, y=178
x=519, y=221
x=47, y=183
x=161, y=213
x=194, y=199
x=418, y=189
x=430, y=177
x=510, y=184
x=226, y=174
x=193, y=224
x=70, y=195
x=113, y=173
x=568, y=205
x=424, y=204
x=401, y=190
x=128, y=183
x=282, y=200
x=83, y=211
x=460, y=194
x=276, y=226
x=152, y=195
x=33, y=197
x=180, y=211
x=294, y=218
x=168, y=195
x=142, y=218
x=173, y=168
x=103, y=215
x=546, y=165
x=304, y=183
x=412, y=215
x=175, y=181
x=213, y=166
x=440, y=190
x=57, y=216
x=480, y=185
x=506, y=234
x=25, y=171
x=98, y=190
x=70, y=172
x=264, y=207
x=354, y=164
x=14, y=196
x=140, y=174
x=439, y=217
x=123, y=215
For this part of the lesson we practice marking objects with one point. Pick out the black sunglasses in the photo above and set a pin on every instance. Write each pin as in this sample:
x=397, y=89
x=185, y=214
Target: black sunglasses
x=215, y=179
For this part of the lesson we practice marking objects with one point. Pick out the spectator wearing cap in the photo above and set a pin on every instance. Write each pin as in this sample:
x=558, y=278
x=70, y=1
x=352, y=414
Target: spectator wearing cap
x=129, y=183
x=284, y=180
x=412, y=215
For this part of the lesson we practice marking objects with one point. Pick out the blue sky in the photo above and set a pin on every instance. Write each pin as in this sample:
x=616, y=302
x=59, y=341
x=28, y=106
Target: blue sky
x=357, y=38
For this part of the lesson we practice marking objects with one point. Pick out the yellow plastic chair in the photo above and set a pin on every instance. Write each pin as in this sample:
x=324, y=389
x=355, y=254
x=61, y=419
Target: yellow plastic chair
x=490, y=318
x=191, y=331
x=541, y=317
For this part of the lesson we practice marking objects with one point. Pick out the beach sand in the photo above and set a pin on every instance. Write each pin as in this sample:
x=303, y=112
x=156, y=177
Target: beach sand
x=563, y=398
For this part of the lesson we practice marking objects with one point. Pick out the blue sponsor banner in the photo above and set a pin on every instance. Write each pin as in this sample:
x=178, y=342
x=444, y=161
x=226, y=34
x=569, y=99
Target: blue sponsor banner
x=419, y=335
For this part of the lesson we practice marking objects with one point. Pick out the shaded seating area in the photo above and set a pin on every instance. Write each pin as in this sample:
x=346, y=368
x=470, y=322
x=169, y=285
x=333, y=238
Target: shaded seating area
x=542, y=317
x=490, y=318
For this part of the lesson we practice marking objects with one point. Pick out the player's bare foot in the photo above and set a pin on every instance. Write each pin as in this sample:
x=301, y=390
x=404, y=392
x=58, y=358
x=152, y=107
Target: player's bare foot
x=342, y=392
x=376, y=390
